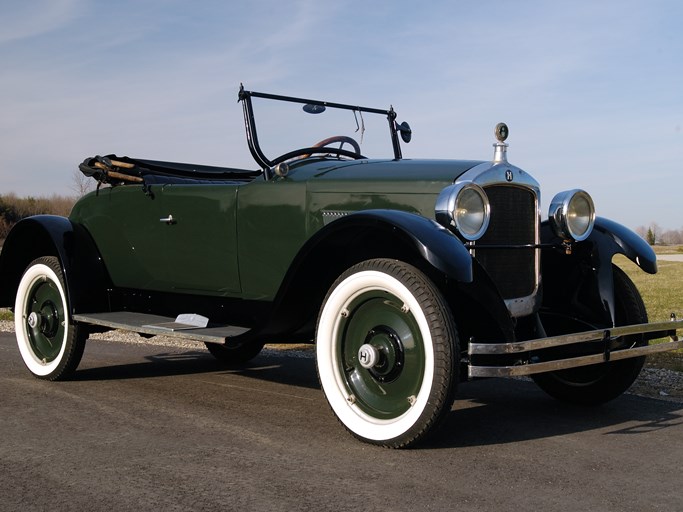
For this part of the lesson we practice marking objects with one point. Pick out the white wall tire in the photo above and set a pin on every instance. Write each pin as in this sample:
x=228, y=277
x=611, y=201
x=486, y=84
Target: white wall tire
x=393, y=310
x=50, y=344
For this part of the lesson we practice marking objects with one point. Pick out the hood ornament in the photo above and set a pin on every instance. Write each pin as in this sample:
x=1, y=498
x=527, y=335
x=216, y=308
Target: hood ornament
x=500, y=148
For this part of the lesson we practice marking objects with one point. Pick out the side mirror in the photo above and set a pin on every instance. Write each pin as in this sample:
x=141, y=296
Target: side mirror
x=405, y=131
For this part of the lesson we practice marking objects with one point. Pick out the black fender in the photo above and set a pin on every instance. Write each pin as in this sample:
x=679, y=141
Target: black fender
x=386, y=234
x=612, y=238
x=85, y=275
x=437, y=245
x=607, y=239
x=356, y=237
x=434, y=243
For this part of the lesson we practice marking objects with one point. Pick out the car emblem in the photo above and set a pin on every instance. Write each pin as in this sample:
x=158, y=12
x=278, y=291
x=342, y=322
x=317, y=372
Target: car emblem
x=508, y=175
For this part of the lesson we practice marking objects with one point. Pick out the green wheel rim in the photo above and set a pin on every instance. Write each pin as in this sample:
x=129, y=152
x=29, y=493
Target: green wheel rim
x=387, y=390
x=45, y=308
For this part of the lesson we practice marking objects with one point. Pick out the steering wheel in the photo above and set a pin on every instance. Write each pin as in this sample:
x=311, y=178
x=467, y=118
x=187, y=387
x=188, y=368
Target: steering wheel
x=339, y=138
x=321, y=147
x=336, y=138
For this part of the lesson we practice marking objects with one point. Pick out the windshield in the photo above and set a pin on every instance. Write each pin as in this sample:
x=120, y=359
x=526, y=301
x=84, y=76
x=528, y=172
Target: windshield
x=289, y=125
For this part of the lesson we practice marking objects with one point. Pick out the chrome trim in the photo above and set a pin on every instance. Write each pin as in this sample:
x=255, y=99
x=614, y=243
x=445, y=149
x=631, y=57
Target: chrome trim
x=447, y=204
x=490, y=173
x=281, y=169
x=498, y=173
x=332, y=215
x=605, y=335
x=500, y=152
x=570, y=339
x=574, y=362
x=558, y=215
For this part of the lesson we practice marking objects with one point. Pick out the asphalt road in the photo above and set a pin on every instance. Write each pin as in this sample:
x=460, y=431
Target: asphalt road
x=145, y=427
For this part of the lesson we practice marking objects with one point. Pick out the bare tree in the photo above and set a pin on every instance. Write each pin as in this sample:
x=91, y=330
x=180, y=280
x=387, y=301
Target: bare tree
x=656, y=233
x=82, y=184
x=672, y=237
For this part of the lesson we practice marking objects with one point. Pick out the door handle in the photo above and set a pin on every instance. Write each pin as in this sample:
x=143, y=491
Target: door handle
x=168, y=220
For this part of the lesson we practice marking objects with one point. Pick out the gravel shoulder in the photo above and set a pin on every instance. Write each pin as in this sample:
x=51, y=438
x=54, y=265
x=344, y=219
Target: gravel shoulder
x=653, y=382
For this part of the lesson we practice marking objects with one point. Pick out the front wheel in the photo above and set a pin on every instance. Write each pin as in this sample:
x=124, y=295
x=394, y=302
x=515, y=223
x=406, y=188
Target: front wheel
x=599, y=383
x=51, y=345
x=385, y=350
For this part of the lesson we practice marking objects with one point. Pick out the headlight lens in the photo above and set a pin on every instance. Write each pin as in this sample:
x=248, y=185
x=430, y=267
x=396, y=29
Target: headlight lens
x=572, y=215
x=464, y=206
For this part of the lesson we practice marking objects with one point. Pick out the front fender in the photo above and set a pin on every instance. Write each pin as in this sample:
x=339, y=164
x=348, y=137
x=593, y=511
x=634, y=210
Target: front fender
x=612, y=238
x=438, y=246
x=85, y=276
x=607, y=239
x=357, y=237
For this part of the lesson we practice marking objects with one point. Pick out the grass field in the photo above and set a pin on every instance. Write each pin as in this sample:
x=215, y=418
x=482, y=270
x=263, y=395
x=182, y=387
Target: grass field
x=662, y=292
x=663, y=295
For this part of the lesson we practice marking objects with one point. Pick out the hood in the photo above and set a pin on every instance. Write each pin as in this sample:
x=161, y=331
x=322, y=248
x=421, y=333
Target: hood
x=379, y=175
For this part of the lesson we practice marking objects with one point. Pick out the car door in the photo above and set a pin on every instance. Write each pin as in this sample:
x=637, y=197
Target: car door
x=200, y=240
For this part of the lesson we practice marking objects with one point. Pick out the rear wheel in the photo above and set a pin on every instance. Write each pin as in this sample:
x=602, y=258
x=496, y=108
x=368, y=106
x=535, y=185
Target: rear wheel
x=51, y=345
x=234, y=356
x=596, y=384
x=385, y=350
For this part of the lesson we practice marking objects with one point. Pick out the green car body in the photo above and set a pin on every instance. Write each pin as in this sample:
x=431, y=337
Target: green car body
x=408, y=275
x=222, y=238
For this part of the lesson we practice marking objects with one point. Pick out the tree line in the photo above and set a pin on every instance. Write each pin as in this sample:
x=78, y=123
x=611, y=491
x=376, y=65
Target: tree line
x=654, y=235
x=14, y=208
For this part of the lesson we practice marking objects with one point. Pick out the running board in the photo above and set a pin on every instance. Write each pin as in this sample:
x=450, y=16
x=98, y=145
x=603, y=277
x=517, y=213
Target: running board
x=148, y=324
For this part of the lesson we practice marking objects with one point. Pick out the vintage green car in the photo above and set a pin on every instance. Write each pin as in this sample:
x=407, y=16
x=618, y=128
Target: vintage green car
x=409, y=276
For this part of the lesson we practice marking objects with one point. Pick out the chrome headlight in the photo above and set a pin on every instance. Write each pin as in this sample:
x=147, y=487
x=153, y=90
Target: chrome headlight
x=465, y=207
x=572, y=215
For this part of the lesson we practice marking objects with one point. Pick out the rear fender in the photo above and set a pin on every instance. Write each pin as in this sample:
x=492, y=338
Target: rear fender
x=85, y=276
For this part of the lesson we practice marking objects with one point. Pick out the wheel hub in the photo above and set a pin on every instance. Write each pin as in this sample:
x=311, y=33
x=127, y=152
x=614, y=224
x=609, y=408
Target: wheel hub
x=368, y=356
x=46, y=319
x=382, y=354
x=33, y=320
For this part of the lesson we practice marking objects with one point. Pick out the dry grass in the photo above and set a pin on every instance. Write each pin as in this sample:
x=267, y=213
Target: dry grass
x=14, y=208
x=661, y=292
x=668, y=249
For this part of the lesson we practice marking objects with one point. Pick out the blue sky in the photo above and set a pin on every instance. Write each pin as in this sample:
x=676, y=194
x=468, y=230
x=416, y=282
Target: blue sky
x=592, y=91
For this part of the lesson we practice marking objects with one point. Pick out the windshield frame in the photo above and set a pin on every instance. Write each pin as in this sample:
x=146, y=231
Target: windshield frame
x=252, y=135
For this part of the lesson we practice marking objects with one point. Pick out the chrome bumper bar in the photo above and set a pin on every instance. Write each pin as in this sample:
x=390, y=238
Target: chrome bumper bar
x=604, y=335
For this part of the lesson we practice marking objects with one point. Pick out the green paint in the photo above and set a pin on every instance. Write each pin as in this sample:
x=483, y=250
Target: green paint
x=371, y=316
x=239, y=240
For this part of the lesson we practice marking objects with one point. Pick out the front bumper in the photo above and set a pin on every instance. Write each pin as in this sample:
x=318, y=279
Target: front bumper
x=528, y=366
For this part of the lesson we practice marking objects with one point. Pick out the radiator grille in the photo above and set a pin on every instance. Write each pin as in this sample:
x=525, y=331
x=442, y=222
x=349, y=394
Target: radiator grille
x=513, y=222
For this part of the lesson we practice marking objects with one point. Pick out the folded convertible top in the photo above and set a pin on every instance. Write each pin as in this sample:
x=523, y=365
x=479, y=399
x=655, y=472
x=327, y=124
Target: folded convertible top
x=116, y=170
